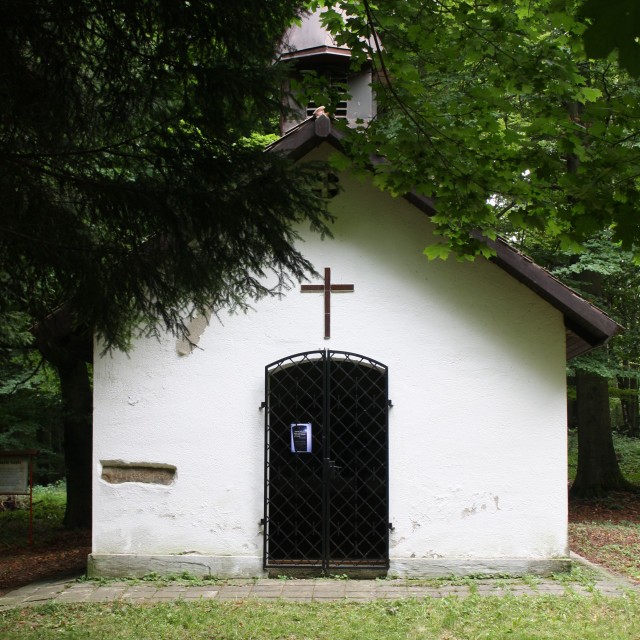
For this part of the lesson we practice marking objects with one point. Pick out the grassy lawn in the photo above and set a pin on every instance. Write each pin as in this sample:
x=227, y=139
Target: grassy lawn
x=475, y=617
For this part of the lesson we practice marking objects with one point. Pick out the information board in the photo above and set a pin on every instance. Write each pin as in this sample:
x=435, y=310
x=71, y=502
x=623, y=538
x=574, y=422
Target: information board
x=14, y=475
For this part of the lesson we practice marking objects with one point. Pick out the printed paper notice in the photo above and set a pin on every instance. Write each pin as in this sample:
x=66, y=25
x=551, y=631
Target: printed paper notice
x=301, y=437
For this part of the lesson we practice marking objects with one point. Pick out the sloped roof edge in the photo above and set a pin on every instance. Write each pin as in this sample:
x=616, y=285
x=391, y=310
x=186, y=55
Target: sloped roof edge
x=586, y=325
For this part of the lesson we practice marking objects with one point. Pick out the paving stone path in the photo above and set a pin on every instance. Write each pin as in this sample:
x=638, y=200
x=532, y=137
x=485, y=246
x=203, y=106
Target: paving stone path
x=314, y=590
x=68, y=591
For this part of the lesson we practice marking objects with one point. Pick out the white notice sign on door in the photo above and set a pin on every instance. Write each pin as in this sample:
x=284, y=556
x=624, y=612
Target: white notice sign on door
x=301, y=437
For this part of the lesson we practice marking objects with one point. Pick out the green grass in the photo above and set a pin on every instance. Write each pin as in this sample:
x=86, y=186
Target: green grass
x=577, y=575
x=628, y=450
x=48, y=511
x=475, y=617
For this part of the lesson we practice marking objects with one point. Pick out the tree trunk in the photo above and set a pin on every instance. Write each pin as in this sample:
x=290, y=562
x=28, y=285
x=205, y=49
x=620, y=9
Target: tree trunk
x=69, y=350
x=78, y=437
x=598, y=470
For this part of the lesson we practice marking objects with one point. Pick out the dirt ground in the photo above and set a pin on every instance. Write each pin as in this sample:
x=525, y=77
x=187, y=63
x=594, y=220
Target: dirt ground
x=617, y=507
x=607, y=532
x=67, y=553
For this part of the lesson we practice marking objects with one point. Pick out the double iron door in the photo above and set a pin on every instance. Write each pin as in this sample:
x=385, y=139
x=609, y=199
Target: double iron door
x=326, y=462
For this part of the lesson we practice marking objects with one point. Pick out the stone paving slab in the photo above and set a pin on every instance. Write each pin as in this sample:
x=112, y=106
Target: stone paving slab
x=304, y=590
x=297, y=590
x=200, y=595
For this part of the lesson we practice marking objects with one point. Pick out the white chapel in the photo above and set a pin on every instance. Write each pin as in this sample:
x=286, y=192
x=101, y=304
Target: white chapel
x=394, y=416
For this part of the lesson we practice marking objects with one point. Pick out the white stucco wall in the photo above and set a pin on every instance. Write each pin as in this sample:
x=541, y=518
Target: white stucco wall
x=476, y=374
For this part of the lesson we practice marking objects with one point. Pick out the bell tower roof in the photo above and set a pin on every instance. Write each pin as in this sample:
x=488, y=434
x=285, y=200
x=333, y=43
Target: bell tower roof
x=310, y=40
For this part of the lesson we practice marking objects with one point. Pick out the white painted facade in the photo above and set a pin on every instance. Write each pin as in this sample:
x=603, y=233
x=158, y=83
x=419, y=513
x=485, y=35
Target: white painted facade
x=477, y=432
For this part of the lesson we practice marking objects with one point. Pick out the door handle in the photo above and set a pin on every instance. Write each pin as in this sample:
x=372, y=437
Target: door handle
x=332, y=468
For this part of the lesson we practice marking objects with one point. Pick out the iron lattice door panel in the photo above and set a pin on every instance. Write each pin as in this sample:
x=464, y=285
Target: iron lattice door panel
x=294, y=483
x=357, y=505
x=327, y=508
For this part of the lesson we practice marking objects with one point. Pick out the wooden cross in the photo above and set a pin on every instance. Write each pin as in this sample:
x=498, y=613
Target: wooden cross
x=327, y=288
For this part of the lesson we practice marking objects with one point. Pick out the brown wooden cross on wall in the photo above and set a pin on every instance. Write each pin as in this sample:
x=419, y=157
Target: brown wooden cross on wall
x=327, y=288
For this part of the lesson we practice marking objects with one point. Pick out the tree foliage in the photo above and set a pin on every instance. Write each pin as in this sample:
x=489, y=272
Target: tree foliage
x=133, y=191
x=495, y=110
x=129, y=186
x=617, y=278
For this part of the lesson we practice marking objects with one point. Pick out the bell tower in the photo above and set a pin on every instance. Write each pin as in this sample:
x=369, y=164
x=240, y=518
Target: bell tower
x=311, y=48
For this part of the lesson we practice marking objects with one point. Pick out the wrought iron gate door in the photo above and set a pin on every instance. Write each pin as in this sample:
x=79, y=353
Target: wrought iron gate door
x=327, y=507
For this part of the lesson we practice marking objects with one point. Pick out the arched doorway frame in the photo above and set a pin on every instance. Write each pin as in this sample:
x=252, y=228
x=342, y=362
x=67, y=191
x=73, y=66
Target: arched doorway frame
x=327, y=508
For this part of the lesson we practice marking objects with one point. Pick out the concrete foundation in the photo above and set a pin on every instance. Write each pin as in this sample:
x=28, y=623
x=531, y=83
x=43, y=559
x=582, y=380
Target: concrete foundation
x=137, y=566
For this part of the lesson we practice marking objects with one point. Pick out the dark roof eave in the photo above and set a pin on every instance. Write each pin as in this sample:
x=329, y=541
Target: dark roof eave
x=581, y=317
x=587, y=326
x=320, y=50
